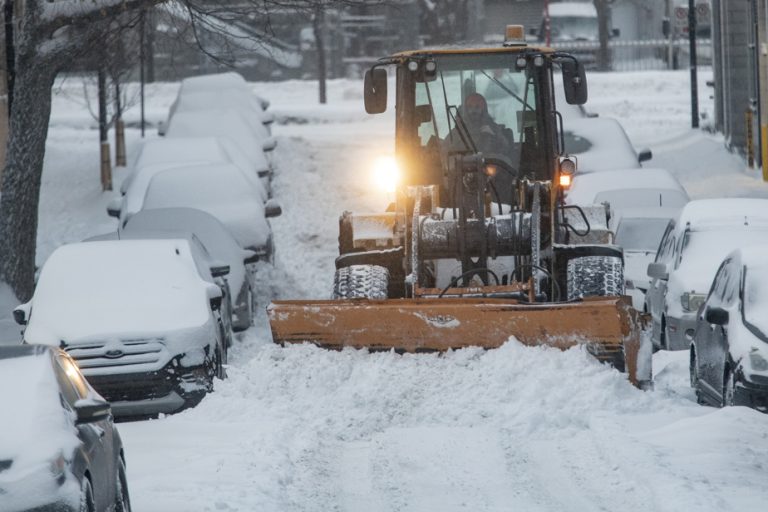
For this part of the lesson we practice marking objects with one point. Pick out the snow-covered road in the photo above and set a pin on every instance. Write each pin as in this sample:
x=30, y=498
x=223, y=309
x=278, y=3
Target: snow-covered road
x=517, y=428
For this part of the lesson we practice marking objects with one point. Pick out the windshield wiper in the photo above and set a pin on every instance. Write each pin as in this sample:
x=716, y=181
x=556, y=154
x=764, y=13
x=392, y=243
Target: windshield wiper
x=506, y=89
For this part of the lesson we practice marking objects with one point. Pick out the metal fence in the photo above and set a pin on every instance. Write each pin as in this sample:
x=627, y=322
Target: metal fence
x=639, y=55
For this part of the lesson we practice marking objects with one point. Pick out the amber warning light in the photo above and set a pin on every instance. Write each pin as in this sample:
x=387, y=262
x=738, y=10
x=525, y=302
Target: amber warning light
x=514, y=35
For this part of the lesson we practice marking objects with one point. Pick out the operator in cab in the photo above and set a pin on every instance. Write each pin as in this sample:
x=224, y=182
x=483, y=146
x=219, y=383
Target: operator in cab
x=475, y=127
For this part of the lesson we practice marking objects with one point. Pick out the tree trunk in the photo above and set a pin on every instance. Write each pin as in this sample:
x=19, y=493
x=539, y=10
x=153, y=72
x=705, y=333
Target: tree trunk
x=23, y=172
x=603, y=17
x=317, y=27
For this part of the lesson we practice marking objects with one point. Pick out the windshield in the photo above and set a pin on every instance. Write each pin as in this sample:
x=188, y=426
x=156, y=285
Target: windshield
x=480, y=103
x=573, y=28
x=640, y=234
x=756, y=300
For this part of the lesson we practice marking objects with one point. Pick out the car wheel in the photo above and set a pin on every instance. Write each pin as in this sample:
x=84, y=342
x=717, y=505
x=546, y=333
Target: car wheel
x=86, y=496
x=122, y=500
x=729, y=385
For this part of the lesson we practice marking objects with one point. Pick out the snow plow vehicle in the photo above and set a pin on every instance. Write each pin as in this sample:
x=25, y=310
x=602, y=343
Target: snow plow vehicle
x=478, y=246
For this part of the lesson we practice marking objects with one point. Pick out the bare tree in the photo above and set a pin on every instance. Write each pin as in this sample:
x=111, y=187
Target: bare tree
x=48, y=37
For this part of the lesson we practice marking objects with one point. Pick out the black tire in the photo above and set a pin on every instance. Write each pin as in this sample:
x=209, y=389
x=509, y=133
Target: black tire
x=595, y=276
x=86, y=496
x=361, y=282
x=122, y=498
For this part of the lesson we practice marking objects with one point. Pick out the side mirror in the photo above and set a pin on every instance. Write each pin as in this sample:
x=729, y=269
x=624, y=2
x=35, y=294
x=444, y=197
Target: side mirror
x=269, y=144
x=615, y=32
x=250, y=257
x=644, y=155
x=375, y=90
x=219, y=270
x=665, y=27
x=658, y=271
x=114, y=207
x=533, y=32
x=263, y=173
x=267, y=118
x=162, y=127
x=90, y=410
x=716, y=316
x=574, y=82
x=215, y=297
x=272, y=209
x=21, y=314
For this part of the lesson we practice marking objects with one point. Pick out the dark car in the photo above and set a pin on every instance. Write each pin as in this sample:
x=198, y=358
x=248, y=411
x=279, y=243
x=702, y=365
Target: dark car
x=729, y=352
x=59, y=450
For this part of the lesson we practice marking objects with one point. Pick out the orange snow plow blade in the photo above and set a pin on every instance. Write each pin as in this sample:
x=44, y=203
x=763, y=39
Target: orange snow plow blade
x=609, y=327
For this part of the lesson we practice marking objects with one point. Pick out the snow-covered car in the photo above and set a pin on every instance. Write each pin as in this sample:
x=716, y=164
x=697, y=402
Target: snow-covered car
x=628, y=188
x=601, y=144
x=137, y=317
x=219, y=82
x=237, y=100
x=218, y=242
x=157, y=154
x=729, y=353
x=689, y=254
x=225, y=195
x=225, y=123
x=59, y=450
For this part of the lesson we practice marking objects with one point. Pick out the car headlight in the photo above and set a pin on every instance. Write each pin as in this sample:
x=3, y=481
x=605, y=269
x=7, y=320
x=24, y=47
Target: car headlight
x=692, y=301
x=758, y=362
x=58, y=466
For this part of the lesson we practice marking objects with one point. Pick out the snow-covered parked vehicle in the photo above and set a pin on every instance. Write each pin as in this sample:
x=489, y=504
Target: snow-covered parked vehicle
x=222, y=83
x=601, y=144
x=225, y=195
x=217, y=241
x=729, y=353
x=59, y=450
x=689, y=254
x=138, y=318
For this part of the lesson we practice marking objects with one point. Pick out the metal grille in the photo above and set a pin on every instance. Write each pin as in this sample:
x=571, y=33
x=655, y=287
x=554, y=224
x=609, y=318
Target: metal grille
x=131, y=387
x=106, y=354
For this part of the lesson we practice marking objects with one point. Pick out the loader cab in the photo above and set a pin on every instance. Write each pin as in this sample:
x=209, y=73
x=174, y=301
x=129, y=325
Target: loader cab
x=493, y=102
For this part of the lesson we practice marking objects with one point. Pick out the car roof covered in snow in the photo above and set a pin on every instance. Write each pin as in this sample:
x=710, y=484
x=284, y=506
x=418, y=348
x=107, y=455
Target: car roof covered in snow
x=236, y=99
x=600, y=144
x=98, y=288
x=575, y=9
x=218, y=82
x=222, y=194
x=645, y=183
x=721, y=212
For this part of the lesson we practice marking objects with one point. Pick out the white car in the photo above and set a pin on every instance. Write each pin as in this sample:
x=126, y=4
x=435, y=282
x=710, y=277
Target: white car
x=137, y=317
x=219, y=82
x=225, y=195
x=690, y=251
x=219, y=243
x=601, y=144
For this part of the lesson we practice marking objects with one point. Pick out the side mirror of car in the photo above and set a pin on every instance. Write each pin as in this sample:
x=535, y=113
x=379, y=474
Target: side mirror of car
x=114, y=207
x=658, y=271
x=219, y=270
x=267, y=118
x=215, y=297
x=375, y=90
x=90, y=410
x=263, y=173
x=272, y=209
x=21, y=314
x=644, y=155
x=615, y=32
x=161, y=128
x=269, y=144
x=250, y=257
x=716, y=316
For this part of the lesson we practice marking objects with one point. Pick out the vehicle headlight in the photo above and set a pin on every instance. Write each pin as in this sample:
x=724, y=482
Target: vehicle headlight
x=758, y=362
x=58, y=466
x=692, y=301
x=386, y=174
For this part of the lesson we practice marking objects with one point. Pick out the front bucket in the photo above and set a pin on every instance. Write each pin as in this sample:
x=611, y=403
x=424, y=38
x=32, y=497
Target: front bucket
x=609, y=326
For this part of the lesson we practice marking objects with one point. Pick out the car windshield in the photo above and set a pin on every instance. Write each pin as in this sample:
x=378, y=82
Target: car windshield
x=756, y=300
x=569, y=28
x=640, y=234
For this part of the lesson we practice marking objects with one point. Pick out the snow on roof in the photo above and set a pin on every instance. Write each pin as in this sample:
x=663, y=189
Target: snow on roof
x=575, y=9
x=113, y=287
x=226, y=123
x=219, y=82
x=222, y=193
x=610, y=148
x=705, y=213
x=214, y=236
x=237, y=99
x=651, y=181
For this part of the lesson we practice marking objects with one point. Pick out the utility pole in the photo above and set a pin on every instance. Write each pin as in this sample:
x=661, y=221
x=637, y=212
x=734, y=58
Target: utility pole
x=694, y=77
